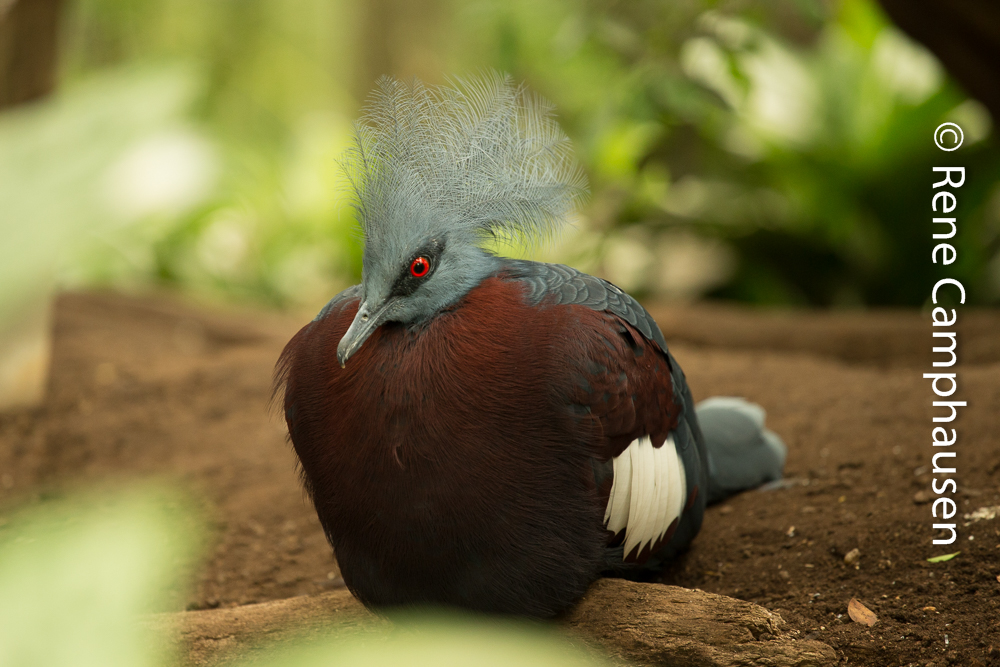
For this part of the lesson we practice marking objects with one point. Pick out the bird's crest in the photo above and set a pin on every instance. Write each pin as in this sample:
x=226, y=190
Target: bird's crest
x=478, y=158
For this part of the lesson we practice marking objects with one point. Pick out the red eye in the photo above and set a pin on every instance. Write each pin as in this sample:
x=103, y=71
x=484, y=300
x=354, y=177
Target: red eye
x=419, y=267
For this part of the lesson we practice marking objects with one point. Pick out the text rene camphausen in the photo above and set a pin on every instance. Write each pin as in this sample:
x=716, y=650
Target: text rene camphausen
x=944, y=383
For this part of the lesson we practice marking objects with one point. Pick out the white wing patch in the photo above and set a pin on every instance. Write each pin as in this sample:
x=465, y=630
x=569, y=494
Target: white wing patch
x=647, y=493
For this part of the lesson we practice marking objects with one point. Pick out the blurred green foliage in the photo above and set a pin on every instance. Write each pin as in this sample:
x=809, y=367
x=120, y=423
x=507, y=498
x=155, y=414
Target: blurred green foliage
x=80, y=576
x=53, y=162
x=437, y=639
x=274, y=114
x=769, y=152
x=794, y=137
x=75, y=576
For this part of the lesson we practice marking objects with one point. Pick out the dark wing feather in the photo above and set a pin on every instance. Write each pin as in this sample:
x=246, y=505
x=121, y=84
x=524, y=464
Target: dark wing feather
x=569, y=286
x=611, y=395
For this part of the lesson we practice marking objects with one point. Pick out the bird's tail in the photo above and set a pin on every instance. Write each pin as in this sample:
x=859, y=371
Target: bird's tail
x=742, y=454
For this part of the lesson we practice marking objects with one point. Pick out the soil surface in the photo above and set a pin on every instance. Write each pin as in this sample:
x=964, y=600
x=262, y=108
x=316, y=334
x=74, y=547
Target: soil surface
x=154, y=388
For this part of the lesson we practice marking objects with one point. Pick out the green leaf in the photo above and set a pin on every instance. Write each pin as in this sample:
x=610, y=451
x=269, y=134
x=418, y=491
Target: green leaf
x=77, y=574
x=54, y=159
x=941, y=559
x=429, y=639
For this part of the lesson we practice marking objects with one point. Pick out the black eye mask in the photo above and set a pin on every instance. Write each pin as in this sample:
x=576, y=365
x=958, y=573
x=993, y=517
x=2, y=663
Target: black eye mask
x=407, y=283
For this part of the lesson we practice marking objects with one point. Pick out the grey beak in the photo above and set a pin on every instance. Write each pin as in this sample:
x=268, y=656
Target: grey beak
x=365, y=322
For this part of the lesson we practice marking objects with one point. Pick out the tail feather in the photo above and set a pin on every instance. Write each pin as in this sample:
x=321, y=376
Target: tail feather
x=742, y=453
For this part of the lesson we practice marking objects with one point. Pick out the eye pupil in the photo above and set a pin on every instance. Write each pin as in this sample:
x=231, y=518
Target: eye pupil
x=419, y=267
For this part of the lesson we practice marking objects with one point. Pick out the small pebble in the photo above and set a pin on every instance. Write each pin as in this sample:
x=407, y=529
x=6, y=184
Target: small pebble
x=852, y=557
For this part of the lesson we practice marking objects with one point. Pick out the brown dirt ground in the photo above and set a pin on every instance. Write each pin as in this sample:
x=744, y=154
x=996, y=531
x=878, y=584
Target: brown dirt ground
x=154, y=388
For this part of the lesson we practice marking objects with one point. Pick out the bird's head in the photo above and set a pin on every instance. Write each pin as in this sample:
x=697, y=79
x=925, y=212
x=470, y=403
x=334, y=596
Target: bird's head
x=412, y=283
x=435, y=171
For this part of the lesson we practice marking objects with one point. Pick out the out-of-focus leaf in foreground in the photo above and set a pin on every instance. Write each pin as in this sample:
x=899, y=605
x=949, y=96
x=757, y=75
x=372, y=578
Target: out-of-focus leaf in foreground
x=106, y=151
x=76, y=575
x=436, y=639
x=55, y=160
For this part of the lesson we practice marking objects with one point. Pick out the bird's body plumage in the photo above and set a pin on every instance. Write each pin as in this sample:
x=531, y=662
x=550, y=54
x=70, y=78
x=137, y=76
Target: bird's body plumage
x=465, y=460
x=486, y=432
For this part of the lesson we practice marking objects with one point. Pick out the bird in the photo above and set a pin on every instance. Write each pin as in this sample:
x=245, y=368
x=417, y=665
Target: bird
x=484, y=432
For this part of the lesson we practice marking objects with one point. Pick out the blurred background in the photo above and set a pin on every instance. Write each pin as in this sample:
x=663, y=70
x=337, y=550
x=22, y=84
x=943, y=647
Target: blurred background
x=765, y=152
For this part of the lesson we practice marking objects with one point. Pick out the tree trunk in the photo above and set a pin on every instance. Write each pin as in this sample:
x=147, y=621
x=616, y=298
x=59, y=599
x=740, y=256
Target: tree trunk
x=28, y=49
x=398, y=38
x=963, y=34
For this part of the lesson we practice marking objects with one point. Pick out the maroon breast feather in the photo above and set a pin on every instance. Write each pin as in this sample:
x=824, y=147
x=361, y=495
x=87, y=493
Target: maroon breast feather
x=399, y=448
